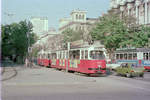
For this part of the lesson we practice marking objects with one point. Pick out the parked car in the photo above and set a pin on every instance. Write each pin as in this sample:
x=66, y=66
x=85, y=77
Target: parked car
x=130, y=70
x=113, y=66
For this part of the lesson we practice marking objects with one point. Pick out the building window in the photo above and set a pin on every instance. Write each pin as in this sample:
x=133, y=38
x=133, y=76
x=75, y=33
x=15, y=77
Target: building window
x=80, y=28
x=149, y=13
x=76, y=27
x=79, y=16
x=82, y=16
x=76, y=16
x=83, y=28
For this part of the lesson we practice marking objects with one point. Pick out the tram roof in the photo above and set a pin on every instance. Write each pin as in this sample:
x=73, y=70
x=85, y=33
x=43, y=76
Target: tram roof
x=133, y=50
x=89, y=47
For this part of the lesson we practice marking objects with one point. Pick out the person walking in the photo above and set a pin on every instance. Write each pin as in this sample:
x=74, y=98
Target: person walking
x=26, y=62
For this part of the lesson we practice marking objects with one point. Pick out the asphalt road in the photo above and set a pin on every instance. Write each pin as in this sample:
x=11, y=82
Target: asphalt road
x=51, y=84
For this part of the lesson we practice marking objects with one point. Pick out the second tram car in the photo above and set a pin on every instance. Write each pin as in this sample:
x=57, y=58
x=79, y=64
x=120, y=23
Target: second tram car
x=43, y=59
x=135, y=56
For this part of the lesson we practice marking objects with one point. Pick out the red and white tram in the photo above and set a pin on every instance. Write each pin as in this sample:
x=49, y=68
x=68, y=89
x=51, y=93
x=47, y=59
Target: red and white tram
x=88, y=60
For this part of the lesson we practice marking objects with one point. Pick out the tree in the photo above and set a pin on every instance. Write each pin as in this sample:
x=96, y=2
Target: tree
x=111, y=31
x=15, y=39
x=141, y=37
x=70, y=35
x=114, y=32
x=6, y=40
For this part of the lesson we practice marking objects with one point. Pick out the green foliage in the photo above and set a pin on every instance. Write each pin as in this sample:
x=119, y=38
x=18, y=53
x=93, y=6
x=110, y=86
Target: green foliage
x=110, y=30
x=35, y=51
x=70, y=35
x=15, y=40
x=114, y=32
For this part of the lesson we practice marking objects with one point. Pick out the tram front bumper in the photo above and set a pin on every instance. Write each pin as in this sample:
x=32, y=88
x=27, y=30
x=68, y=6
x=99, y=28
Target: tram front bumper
x=97, y=70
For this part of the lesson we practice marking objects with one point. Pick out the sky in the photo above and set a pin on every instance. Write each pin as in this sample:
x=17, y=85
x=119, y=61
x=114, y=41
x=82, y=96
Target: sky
x=17, y=10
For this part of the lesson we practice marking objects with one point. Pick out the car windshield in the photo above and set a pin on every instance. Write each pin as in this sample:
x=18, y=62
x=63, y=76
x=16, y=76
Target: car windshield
x=97, y=54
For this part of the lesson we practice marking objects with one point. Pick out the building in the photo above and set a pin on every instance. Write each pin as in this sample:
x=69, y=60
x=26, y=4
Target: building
x=49, y=39
x=40, y=25
x=140, y=9
x=77, y=21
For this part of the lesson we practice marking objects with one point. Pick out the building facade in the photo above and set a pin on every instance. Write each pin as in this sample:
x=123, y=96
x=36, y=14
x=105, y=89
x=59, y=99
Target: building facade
x=77, y=21
x=140, y=9
x=40, y=25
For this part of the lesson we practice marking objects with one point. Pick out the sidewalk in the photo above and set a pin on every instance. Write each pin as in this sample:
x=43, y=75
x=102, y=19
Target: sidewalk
x=8, y=73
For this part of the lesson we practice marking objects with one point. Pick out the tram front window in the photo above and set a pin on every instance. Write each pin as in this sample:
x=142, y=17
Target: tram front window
x=97, y=55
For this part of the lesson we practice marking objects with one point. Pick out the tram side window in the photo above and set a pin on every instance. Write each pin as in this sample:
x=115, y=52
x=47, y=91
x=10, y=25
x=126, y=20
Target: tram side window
x=59, y=55
x=145, y=56
x=97, y=55
x=53, y=55
x=149, y=55
x=130, y=56
x=43, y=57
x=40, y=56
x=125, y=56
x=134, y=55
x=77, y=56
x=121, y=56
x=82, y=54
x=70, y=55
x=66, y=55
x=86, y=54
x=49, y=56
x=46, y=56
x=117, y=56
x=74, y=54
x=62, y=55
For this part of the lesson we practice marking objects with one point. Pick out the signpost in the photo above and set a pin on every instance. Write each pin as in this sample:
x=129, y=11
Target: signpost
x=68, y=48
x=29, y=49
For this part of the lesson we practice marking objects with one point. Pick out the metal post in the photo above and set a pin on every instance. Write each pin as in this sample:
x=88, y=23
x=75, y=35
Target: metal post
x=28, y=37
x=68, y=48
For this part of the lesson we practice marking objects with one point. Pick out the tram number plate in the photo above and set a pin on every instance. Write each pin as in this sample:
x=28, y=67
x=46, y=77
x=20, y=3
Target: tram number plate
x=98, y=71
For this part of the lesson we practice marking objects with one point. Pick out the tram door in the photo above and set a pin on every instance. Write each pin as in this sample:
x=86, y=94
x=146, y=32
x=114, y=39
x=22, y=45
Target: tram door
x=54, y=57
x=74, y=57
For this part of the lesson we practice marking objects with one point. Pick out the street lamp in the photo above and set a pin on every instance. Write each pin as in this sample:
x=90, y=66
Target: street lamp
x=28, y=37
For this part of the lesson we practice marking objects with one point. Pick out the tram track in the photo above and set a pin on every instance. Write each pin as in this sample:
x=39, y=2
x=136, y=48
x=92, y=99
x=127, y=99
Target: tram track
x=8, y=73
x=3, y=70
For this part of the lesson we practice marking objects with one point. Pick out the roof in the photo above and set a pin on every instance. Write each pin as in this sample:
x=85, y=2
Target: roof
x=132, y=50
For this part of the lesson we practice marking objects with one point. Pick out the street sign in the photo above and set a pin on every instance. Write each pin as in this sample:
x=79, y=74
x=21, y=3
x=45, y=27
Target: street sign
x=29, y=49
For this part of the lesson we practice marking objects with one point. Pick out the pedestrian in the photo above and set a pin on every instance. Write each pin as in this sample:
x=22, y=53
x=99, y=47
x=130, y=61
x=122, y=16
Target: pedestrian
x=26, y=62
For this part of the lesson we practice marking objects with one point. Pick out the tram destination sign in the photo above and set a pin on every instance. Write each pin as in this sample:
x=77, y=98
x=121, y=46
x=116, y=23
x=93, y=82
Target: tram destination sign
x=129, y=48
x=140, y=55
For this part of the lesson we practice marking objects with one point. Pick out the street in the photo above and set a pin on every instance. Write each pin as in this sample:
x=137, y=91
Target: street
x=50, y=84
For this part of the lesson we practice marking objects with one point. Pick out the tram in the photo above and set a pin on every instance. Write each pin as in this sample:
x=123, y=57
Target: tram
x=88, y=60
x=135, y=56
x=43, y=59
